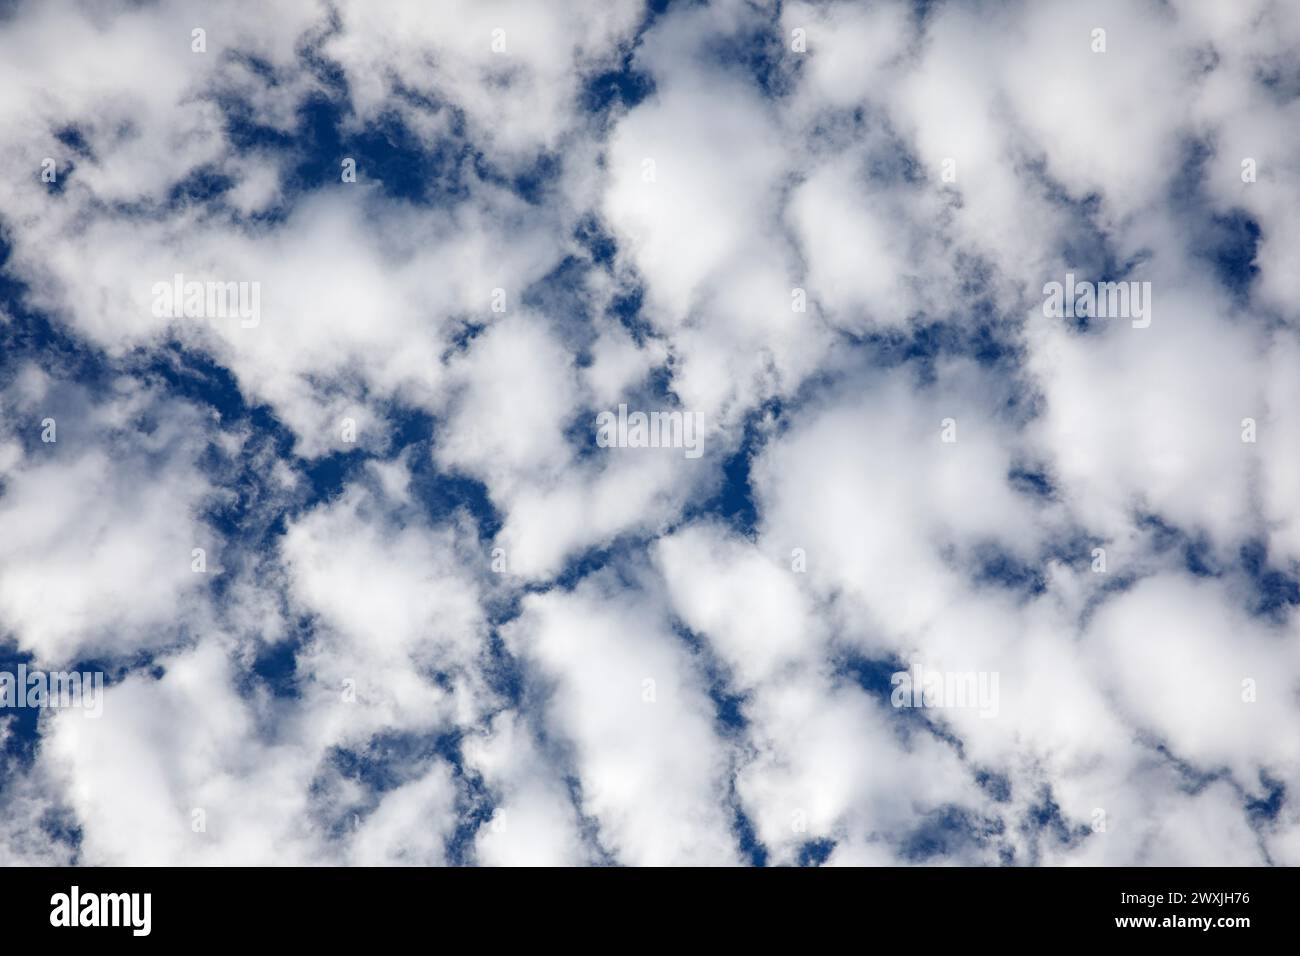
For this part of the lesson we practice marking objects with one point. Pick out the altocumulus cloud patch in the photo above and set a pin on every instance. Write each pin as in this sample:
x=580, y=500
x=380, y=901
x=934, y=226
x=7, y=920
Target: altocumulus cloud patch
x=649, y=433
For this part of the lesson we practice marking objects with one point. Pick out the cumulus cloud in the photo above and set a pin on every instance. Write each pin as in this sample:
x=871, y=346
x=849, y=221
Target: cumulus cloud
x=366, y=589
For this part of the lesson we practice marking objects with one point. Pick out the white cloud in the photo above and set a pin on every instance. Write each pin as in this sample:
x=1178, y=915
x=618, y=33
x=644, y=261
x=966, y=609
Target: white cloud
x=742, y=174
x=627, y=698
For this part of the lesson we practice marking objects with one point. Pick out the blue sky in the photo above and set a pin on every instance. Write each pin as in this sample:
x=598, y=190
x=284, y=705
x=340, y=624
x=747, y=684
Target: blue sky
x=435, y=620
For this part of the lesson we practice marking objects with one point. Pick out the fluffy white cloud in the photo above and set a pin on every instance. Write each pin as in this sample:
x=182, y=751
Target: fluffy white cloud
x=102, y=519
x=628, y=699
x=824, y=229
